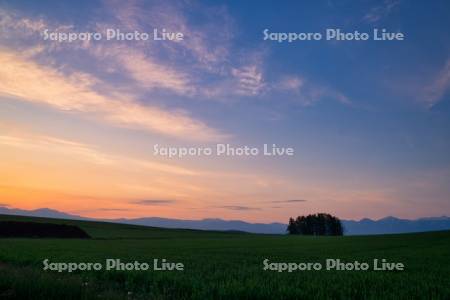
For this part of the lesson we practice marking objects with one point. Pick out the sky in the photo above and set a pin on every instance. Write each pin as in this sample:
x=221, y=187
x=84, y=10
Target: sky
x=369, y=121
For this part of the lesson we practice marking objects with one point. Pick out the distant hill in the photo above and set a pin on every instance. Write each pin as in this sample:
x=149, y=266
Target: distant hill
x=40, y=212
x=209, y=224
x=396, y=225
x=362, y=227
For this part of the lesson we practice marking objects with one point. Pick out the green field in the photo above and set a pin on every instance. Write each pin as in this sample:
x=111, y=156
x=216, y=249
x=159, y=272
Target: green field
x=221, y=265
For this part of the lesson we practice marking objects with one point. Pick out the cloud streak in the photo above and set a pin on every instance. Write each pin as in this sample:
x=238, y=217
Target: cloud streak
x=307, y=93
x=88, y=153
x=250, y=80
x=207, y=44
x=143, y=69
x=155, y=202
x=289, y=201
x=437, y=89
x=238, y=207
x=381, y=11
x=27, y=80
x=110, y=209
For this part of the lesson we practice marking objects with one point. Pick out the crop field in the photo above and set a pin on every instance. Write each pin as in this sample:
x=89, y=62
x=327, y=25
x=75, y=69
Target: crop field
x=221, y=265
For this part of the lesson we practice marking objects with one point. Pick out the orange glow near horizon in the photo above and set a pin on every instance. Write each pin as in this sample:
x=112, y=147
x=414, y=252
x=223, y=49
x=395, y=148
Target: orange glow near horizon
x=41, y=171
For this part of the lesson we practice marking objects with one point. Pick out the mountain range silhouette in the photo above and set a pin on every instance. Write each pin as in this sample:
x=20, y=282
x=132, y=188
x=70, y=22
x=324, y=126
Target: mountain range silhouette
x=364, y=226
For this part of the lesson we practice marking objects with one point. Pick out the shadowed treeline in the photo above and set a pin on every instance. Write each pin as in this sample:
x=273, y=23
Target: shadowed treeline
x=39, y=230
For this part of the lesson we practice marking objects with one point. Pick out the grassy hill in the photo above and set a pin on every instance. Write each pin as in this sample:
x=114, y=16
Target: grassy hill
x=221, y=265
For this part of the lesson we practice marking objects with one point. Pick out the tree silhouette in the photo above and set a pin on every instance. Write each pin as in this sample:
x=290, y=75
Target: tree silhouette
x=292, y=227
x=317, y=224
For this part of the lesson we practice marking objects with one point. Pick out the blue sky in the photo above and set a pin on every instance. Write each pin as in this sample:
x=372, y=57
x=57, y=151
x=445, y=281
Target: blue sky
x=369, y=120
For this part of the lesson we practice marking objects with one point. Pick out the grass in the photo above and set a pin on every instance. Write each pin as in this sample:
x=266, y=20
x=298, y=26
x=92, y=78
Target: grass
x=222, y=265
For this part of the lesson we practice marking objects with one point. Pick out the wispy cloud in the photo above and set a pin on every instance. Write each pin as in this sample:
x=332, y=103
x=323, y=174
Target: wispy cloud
x=206, y=43
x=88, y=153
x=208, y=47
x=250, y=80
x=108, y=209
x=306, y=92
x=46, y=143
x=143, y=69
x=11, y=22
x=291, y=83
x=27, y=80
x=437, y=89
x=380, y=11
x=156, y=202
x=238, y=207
x=289, y=201
x=181, y=68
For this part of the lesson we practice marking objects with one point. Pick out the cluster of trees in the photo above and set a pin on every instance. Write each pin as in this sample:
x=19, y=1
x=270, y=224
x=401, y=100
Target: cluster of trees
x=317, y=224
